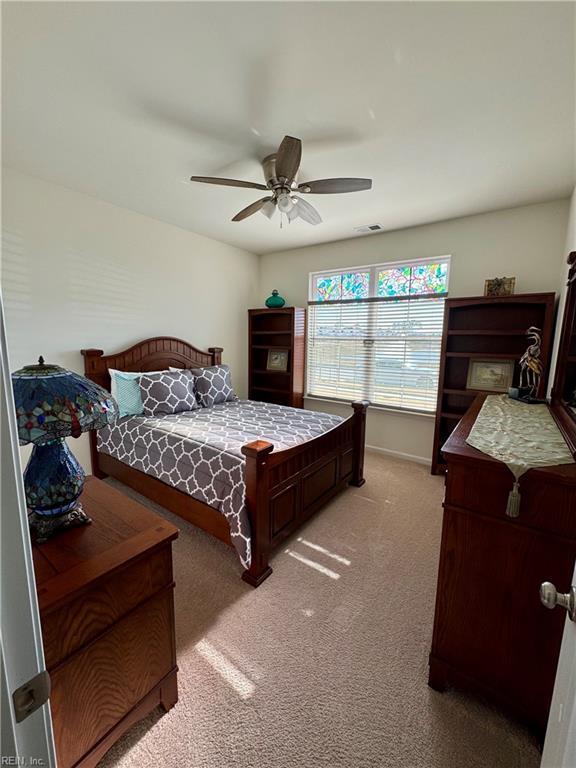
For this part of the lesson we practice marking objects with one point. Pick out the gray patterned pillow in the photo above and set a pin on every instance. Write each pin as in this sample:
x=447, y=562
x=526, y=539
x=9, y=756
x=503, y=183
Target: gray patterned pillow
x=168, y=392
x=214, y=385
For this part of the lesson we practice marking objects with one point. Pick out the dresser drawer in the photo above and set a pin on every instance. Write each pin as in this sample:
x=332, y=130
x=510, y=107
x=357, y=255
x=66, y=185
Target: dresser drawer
x=69, y=627
x=548, y=501
x=97, y=686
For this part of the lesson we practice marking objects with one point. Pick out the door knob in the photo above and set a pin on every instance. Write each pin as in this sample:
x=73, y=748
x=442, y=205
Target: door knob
x=550, y=597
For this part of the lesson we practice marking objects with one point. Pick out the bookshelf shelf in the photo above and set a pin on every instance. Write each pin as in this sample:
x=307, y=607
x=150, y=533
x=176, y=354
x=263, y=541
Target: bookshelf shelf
x=264, y=372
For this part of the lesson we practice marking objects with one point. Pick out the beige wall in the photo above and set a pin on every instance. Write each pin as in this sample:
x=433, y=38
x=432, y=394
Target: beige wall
x=78, y=272
x=527, y=242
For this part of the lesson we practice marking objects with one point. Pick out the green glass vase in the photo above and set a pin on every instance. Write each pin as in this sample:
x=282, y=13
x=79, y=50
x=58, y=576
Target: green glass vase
x=275, y=301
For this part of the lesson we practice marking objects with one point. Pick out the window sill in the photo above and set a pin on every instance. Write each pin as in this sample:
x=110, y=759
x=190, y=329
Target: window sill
x=384, y=408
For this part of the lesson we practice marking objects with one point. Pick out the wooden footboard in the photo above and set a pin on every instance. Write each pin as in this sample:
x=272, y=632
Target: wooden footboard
x=285, y=488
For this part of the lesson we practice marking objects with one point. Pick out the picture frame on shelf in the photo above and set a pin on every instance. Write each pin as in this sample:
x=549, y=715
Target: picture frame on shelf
x=490, y=375
x=499, y=286
x=277, y=360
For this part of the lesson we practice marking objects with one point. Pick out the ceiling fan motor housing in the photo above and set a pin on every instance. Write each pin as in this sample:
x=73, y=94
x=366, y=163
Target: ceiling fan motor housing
x=269, y=168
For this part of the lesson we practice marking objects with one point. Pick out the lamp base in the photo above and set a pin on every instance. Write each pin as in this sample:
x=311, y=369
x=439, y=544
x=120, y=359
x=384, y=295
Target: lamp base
x=43, y=527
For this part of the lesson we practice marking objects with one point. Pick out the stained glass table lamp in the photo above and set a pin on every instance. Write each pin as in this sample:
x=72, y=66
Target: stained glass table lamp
x=52, y=404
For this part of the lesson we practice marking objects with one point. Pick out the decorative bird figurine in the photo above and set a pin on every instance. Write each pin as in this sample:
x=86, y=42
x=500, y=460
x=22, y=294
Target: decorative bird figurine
x=530, y=363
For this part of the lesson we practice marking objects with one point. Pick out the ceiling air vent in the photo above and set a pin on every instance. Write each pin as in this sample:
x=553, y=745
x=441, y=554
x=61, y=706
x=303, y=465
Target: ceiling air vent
x=369, y=228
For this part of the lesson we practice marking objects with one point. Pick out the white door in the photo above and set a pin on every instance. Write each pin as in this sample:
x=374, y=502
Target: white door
x=30, y=741
x=560, y=744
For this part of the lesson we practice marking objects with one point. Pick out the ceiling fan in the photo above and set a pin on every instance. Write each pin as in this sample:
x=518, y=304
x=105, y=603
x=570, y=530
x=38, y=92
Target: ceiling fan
x=280, y=171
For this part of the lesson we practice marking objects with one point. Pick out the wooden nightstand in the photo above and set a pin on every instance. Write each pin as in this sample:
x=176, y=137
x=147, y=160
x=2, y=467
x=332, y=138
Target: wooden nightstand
x=105, y=592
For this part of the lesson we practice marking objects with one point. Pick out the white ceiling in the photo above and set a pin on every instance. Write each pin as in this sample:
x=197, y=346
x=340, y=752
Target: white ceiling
x=451, y=108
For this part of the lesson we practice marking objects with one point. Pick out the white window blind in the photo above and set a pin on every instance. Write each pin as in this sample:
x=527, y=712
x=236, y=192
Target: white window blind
x=383, y=346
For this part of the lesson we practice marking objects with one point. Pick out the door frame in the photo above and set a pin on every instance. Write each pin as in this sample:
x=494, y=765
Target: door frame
x=31, y=741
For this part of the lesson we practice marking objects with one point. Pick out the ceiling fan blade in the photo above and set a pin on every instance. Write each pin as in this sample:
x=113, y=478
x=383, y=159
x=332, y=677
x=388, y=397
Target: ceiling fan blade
x=334, y=186
x=288, y=158
x=250, y=209
x=307, y=211
x=228, y=182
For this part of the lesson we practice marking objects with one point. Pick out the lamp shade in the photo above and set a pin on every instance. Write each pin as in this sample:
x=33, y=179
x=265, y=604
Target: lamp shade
x=53, y=403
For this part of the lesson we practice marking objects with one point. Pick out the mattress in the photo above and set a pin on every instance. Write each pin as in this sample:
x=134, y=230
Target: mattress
x=199, y=452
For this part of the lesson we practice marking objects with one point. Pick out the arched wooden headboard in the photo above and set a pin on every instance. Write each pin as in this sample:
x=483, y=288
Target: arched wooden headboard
x=155, y=354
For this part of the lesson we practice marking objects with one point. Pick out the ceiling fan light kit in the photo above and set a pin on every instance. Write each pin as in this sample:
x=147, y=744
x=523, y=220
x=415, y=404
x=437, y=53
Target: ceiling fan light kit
x=284, y=201
x=292, y=213
x=280, y=170
x=268, y=209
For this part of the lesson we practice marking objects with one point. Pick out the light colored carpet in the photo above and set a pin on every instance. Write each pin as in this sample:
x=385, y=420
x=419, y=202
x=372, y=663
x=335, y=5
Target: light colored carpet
x=321, y=666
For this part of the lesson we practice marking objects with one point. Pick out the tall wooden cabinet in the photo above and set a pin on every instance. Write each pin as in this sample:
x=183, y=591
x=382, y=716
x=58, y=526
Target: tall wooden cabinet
x=484, y=328
x=276, y=335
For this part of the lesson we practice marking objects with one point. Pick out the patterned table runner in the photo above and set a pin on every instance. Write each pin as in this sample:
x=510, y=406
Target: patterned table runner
x=520, y=435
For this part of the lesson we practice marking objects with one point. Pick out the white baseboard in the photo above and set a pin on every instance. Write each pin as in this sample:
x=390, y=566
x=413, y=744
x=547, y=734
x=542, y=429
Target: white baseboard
x=400, y=455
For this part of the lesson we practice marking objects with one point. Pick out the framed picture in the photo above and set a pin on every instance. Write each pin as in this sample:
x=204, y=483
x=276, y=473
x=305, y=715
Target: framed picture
x=490, y=375
x=277, y=360
x=499, y=286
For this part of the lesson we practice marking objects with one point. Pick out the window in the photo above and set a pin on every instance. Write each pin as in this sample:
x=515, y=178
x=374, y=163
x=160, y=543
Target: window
x=374, y=333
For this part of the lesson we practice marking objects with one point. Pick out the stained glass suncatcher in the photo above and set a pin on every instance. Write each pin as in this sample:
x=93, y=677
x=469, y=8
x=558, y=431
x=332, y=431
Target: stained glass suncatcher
x=418, y=280
x=429, y=278
x=383, y=281
x=348, y=285
x=394, y=282
x=355, y=285
x=329, y=288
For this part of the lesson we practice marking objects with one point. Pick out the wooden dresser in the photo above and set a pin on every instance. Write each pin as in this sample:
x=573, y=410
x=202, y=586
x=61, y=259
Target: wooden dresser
x=105, y=592
x=491, y=633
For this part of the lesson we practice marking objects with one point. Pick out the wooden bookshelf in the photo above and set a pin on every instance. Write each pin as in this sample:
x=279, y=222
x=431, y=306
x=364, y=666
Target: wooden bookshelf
x=484, y=328
x=277, y=329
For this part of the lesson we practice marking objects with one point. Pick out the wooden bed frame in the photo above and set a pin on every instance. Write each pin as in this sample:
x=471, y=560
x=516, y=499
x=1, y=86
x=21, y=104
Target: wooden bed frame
x=283, y=488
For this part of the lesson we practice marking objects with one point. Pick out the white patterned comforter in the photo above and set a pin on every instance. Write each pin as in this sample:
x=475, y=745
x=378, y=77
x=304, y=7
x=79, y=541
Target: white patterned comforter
x=199, y=453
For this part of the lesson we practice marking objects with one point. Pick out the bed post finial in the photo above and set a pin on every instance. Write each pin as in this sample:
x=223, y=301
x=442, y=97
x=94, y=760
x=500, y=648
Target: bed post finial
x=216, y=353
x=92, y=370
x=359, y=438
x=90, y=355
x=257, y=502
